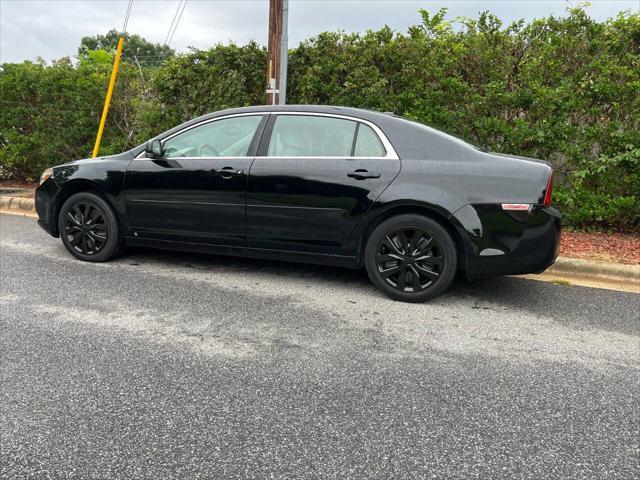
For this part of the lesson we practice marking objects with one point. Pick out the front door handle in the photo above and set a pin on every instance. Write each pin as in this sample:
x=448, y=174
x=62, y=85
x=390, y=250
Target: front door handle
x=362, y=174
x=228, y=172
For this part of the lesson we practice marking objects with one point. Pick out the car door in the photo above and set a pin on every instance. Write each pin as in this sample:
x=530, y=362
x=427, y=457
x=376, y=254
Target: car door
x=196, y=193
x=314, y=178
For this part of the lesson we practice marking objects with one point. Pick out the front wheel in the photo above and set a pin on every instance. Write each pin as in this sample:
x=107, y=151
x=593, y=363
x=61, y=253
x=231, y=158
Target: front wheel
x=411, y=258
x=89, y=228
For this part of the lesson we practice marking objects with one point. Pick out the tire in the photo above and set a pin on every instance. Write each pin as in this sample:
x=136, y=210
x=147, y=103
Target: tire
x=89, y=228
x=406, y=245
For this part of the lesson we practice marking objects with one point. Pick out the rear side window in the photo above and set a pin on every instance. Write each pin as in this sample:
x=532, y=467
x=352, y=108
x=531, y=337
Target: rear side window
x=368, y=144
x=309, y=136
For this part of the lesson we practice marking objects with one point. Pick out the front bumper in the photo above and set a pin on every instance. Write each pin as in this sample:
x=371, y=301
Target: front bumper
x=45, y=203
x=499, y=242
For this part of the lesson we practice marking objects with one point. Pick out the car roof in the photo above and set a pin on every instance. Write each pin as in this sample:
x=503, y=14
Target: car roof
x=329, y=109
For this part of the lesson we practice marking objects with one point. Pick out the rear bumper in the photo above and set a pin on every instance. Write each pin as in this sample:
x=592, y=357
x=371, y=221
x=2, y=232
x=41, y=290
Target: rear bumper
x=45, y=202
x=508, y=243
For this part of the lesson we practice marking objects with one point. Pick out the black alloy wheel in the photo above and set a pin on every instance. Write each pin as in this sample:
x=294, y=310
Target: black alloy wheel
x=89, y=228
x=411, y=258
x=85, y=228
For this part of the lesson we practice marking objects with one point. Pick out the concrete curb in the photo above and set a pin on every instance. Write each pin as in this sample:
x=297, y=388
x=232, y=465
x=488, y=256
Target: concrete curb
x=574, y=266
x=21, y=204
x=592, y=273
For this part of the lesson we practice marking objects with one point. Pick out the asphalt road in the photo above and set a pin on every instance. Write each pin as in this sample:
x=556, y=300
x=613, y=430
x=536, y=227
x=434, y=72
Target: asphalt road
x=164, y=365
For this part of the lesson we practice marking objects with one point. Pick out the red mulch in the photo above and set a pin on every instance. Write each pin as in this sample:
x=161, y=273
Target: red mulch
x=612, y=247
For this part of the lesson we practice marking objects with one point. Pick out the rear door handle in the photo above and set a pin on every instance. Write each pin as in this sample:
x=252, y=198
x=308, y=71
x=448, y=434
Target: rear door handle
x=228, y=172
x=362, y=174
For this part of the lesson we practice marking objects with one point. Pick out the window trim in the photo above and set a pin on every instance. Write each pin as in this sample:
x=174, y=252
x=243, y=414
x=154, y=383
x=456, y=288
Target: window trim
x=391, y=153
x=386, y=144
x=354, y=142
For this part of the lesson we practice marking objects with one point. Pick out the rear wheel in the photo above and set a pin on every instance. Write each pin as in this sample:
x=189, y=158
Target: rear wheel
x=89, y=228
x=411, y=258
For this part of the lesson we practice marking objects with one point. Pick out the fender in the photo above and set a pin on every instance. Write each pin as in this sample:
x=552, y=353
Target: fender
x=104, y=175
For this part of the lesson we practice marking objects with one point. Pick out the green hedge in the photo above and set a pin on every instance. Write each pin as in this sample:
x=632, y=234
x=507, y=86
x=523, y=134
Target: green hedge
x=563, y=89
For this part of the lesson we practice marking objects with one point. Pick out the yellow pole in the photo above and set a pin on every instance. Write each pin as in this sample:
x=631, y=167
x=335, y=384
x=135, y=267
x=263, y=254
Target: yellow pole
x=107, y=101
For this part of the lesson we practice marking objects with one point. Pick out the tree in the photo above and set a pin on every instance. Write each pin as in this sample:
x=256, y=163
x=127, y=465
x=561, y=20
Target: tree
x=135, y=47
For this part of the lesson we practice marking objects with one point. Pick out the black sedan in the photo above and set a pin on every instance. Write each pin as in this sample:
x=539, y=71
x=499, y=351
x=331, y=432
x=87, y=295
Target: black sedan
x=313, y=184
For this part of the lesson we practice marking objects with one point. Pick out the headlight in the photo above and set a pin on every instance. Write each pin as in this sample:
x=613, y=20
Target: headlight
x=46, y=174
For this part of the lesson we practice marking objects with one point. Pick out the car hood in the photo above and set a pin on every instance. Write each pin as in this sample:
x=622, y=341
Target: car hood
x=119, y=156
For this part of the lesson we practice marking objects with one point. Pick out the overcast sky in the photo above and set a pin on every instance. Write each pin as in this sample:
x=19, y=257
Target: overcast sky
x=53, y=28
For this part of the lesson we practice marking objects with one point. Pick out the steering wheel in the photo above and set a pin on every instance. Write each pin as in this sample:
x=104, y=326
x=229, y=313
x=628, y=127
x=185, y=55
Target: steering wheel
x=206, y=150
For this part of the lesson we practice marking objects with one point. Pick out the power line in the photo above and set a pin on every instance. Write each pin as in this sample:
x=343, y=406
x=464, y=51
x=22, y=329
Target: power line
x=175, y=15
x=184, y=5
x=126, y=17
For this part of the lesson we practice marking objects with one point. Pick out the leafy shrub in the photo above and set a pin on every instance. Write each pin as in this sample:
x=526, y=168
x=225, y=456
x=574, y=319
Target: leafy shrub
x=203, y=81
x=605, y=192
x=49, y=113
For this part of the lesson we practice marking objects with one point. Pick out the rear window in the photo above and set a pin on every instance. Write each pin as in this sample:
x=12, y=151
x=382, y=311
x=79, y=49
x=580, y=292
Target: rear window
x=368, y=143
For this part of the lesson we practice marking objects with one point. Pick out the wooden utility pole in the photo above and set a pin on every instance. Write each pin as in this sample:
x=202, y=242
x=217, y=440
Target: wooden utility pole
x=273, y=51
x=284, y=54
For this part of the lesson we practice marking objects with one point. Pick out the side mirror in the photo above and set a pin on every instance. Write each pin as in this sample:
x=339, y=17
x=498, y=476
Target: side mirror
x=154, y=149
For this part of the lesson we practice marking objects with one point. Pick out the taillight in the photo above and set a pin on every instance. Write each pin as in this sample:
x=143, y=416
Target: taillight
x=549, y=191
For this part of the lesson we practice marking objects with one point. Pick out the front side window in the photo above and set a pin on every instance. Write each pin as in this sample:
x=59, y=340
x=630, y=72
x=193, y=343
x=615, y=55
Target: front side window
x=227, y=137
x=311, y=136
